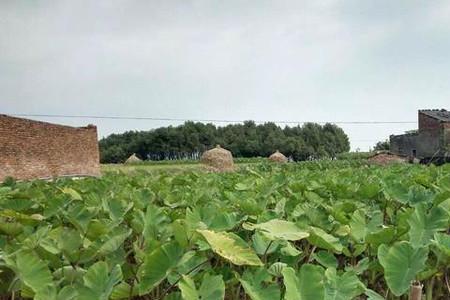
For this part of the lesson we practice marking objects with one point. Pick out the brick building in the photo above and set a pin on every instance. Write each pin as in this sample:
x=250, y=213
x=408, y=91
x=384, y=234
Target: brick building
x=430, y=141
x=32, y=149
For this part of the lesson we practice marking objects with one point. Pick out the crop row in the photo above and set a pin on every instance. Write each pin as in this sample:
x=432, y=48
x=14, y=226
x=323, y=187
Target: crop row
x=326, y=230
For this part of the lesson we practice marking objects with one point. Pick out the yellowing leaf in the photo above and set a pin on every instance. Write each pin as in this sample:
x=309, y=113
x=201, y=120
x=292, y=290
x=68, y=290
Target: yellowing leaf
x=72, y=193
x=231, y=247
x=279, y=230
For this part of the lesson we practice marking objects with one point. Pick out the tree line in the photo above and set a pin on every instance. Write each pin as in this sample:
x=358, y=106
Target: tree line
x=190, y=140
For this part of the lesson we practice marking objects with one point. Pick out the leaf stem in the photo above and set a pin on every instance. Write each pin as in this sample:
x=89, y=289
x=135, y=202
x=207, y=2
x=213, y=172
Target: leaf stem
x=265, y=252
x=310, y=254
x=446, y=281
x=164, y=293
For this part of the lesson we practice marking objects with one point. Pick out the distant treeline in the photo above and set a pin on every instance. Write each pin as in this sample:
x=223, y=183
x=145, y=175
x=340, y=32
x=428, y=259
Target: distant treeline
x=190, y=140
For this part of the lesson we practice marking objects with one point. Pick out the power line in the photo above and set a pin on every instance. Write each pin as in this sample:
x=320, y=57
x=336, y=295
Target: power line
x=205, y=120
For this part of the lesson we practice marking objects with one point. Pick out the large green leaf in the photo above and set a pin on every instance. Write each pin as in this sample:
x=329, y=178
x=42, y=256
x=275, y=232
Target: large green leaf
x=279, y=230
x=123, y=291
x=68, y=292
x=444, y=183
x=308, y=284
x=326, y=259
x=231, y=247
x=442, y=242
x=99, y=281
x=401, y=263
x=69, y=241
x=423, y=224
x=342, y=287
x=258, y=286
x=47, y=292
x=35, y=274
x=114, y=241
x=324, y=240
x=10, y=228
x=153, y=222
x=117, y=208
x=358, y=228
x=372, y=295
x=258, y=292
x=419, y=194
x=188, y=289
x=382, y=236
x=80, y=216
x=396, y=191
x=157, y=265
x=212, y=288
x=262, y=244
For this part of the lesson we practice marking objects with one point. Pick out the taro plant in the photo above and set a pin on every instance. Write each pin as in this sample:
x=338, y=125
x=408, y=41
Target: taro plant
x=316, y=230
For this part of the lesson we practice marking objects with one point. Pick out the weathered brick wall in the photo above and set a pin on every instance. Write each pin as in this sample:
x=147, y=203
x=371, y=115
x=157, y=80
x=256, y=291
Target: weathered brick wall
x=446, y=129
x=427, y=123
x=32, y=149
x=429, y=136
x=403, y=144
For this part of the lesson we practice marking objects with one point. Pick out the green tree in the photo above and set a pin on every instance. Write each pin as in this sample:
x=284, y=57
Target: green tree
x=382, y=145
x=188, y=141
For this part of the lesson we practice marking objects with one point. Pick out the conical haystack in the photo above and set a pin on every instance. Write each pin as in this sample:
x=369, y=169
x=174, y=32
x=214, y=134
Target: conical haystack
x=218, y=159
x=278, y=157
x=133, y=159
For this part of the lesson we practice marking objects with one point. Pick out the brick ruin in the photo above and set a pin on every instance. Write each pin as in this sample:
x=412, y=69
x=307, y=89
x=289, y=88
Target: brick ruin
x=430, y=141
x=33, y=149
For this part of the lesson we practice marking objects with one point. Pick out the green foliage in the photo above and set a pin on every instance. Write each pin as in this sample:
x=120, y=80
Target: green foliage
x=321, y=239
x=98, y=282
x=34, y=273
x=308, y=284
x=382, y=145
x=401, y=262
x=342, y=287
x=259, y=285
x=186, y=142
x=423, y=224
x=212, y=288
x=279, y=230
x=310, y=230
x=157, y=265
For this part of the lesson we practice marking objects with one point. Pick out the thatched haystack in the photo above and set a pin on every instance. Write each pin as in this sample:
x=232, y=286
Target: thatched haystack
x=133, y=159
x=278, y=157
x=386, y=158
x=218, y=160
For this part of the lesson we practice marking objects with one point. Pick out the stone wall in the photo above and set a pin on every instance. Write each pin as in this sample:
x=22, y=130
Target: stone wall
x=32, y=149
x=403, y=144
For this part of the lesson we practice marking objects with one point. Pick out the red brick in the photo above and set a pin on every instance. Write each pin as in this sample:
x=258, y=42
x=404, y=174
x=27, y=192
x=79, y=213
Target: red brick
x=427, y=123
x=33, y=149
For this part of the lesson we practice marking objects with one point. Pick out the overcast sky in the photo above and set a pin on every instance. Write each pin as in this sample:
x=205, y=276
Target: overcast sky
x=329, y=60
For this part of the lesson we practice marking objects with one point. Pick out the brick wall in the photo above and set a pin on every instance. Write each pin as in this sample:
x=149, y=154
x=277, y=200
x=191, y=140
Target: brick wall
x=429, y=136
x=31, y=149
x=427, y=123
x=446, y=129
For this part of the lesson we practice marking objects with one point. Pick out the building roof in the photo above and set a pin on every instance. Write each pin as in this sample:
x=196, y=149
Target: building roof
x=439, y=114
